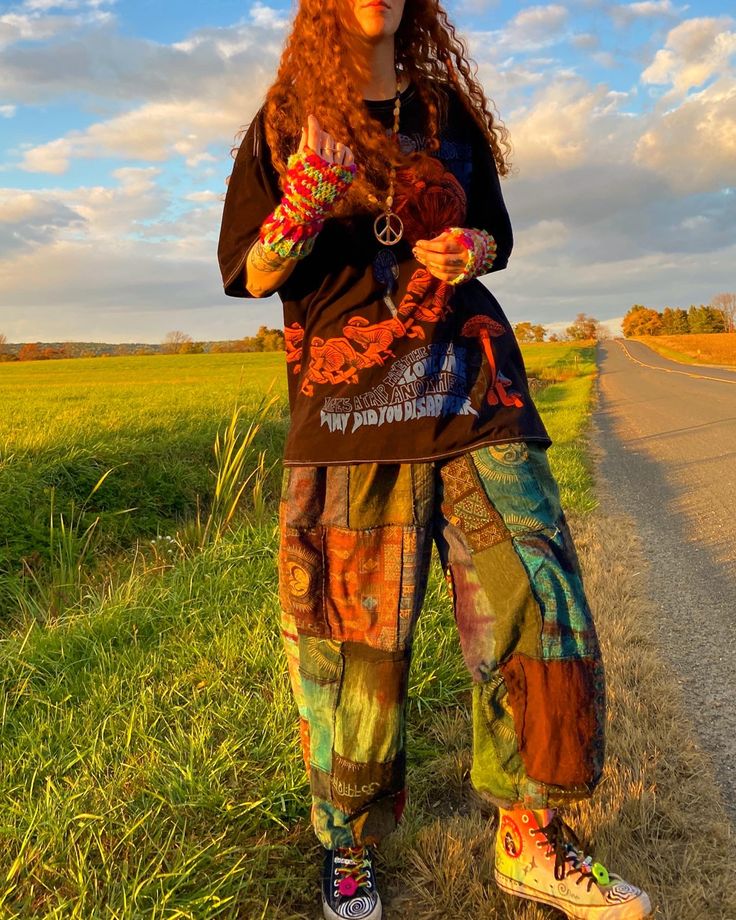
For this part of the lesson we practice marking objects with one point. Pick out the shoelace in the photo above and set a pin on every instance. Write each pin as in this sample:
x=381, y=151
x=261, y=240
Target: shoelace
x=352, y=877
x=567, y=849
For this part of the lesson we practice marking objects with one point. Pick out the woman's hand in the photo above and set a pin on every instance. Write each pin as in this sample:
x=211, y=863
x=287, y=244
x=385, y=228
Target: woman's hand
x=442, y=256
x=324, y=144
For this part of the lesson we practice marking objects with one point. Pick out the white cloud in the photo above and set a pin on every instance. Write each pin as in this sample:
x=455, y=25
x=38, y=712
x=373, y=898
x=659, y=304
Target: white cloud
x=152, y=133
x=626, y=13
x=695, y=51
x=565, y=124
x=533, y=28
x=30, y=22
x=540, y=237
x=267, y=16
x=694, y=146
x=691, y=136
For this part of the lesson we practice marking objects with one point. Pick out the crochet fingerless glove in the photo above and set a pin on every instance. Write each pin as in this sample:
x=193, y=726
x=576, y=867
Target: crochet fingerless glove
x=311, y=188
x=481, y=252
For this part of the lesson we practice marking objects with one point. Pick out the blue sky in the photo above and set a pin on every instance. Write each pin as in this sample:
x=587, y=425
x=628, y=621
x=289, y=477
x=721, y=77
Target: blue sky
x=116, y=120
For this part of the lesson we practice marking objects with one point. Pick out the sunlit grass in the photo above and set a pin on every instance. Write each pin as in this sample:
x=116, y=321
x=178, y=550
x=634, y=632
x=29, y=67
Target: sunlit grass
x=149, y=754
x=694, y=348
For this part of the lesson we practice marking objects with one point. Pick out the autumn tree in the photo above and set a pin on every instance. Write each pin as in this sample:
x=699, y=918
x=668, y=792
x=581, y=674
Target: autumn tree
x=674, y=322
x=29, y=352
x=529, y=332
x=523, y=332
x=539, y=332
x=173, y=342
x=192, y=348
x=726, y=303
x=264, y=340
x=641, y=320
x=584, y=327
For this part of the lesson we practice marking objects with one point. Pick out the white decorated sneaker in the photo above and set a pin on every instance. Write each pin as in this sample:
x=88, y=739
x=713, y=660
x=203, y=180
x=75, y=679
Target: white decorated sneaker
x=544, y=862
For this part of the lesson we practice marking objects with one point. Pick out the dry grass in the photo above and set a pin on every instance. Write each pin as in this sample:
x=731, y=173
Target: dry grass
x=657, y=817
x=701, y=348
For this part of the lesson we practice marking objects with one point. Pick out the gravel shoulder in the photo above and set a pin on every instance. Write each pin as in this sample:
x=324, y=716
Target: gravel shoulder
x=664, y=448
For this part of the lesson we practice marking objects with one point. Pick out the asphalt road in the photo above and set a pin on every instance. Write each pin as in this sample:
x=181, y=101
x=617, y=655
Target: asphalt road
x=665, y=448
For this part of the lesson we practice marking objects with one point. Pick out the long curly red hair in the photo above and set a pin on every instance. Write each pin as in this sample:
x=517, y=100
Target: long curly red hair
x=320, y=72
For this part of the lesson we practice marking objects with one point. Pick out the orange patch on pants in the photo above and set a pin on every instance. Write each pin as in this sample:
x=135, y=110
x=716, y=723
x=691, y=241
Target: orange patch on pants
x=363, y=584
x=557, y=717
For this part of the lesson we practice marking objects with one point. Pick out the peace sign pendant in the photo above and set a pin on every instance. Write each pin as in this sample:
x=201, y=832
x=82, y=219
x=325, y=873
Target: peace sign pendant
x=392, y=229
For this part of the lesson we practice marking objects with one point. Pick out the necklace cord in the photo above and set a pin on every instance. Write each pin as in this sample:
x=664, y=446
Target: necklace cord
x=388, y=228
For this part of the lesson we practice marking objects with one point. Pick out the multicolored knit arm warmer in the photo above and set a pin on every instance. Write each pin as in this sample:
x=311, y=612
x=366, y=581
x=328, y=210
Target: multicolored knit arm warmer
x=481, y=252
x=311, y=188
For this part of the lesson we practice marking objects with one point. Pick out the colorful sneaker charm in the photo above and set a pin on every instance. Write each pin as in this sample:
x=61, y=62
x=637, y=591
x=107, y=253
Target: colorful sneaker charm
x=349, y=885
x=543, y=862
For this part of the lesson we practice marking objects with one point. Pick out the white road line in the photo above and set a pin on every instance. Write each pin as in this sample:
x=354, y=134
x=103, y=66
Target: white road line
x=671, y=370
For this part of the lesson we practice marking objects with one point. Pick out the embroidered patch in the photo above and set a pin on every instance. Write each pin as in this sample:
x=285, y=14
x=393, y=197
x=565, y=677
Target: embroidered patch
x=354, y=785
x=467, y=506
x=363, y=572
x=301, y=580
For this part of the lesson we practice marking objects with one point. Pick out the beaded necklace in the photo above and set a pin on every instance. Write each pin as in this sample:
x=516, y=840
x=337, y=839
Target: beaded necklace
x=388, y=227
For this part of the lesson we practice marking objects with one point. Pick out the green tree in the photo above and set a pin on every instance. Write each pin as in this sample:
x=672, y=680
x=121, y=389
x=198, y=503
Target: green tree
x=270, y=339
x=680, y=326
x=705, y=318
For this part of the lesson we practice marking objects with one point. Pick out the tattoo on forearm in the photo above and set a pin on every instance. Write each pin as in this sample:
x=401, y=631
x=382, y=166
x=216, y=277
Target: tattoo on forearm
x=266, y=260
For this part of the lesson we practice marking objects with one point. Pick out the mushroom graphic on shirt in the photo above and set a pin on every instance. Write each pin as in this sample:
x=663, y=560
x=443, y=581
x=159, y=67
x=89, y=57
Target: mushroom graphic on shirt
x=483, y=328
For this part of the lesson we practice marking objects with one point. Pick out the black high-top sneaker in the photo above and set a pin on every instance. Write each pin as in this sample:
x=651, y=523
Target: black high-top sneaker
x=349, y=885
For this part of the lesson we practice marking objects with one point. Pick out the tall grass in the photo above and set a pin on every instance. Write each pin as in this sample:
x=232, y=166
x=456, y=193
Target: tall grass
x=234, y=453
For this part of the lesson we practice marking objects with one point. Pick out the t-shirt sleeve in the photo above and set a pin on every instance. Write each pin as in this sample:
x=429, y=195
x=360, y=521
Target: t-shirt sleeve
x=252, y=194
x=486, y=207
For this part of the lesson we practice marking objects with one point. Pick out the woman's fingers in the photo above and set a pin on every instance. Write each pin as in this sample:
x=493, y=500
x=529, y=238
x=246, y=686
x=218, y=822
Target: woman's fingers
x=444, y=259
x=323, y=143
x=450, y=256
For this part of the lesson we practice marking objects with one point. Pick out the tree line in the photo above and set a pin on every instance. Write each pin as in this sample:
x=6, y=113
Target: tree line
x=175, y=342
x=717, y=316
x=583, y=328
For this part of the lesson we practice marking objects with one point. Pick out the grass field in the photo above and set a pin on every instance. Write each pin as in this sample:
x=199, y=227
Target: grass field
x=709, y=348
x=151, y=420
x=150, y=765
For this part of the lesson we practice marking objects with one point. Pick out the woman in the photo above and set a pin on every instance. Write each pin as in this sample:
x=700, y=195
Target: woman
x=366, y=193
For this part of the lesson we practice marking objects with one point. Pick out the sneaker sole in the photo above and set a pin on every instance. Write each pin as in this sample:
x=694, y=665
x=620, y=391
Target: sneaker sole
x=330, y=914
x=633, y=910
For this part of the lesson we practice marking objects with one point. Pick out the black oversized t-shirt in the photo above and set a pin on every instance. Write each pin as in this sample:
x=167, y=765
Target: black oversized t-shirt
x=442, y=376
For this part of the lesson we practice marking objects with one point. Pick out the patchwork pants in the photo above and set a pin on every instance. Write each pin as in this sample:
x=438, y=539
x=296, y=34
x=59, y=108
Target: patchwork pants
x=354, y=554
